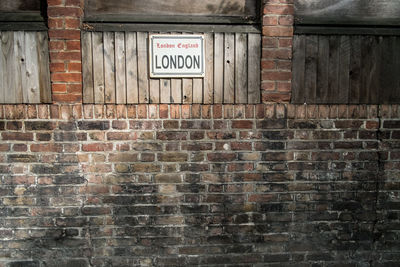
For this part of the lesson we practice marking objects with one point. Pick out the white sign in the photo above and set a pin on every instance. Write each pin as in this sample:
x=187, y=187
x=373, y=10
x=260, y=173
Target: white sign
x=176, y=55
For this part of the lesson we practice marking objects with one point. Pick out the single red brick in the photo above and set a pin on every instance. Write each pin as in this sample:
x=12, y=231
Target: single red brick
x=65, y=55
x=277, y=31
x=269, y=42
x=163, y=111
x=76, y=3
x=74, y=88
x=66, y=77
x=56, y=45
x=276, y=97
x=285, y=42
x=72, y=23
x=206, y=112
x=74, y=67
x=56, y=23
x=270, y=20
x=59, y=88
x=196, y=111
x=131, y=112
x=97, y=147
x=284, y=86
x=54, y=2
x=267, y=64
x=280, y=53
x=286, y=20
x=57, y=67
x=277, y=75
x=64, y=11
x=142, y=111
x=67, y=98
x=242, y=124
x=217, y=111
x=174, y=111
x=65, y=34
x=268, y=86
x=185, y=111
x=73, y=45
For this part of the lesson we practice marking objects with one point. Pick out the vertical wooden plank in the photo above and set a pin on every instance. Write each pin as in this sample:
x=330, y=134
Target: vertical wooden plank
x=131, y=69
x=98, y=67
x=197, y=93
x=322, y=70
x=229, y=68
x=109, y=67
x=143, y=67
x=218, y=67
x=187, y=88
x=120, y=68
x=87, y=67
x=20, y=67
x=154, y=91
x=254, y=59
x=298, y=68
x=367, y=65
x=7, y=40
x=333, y=82
x=396, y=59
x=44, y=71
x=373, y=78
x=311, y=68
x=32, y=80
x=240, y=68
x=208, y=96
x=2, y=70
x=176, y=91
x=165, y=91
x=387, y=75
x=344, y=69
x=355, y=69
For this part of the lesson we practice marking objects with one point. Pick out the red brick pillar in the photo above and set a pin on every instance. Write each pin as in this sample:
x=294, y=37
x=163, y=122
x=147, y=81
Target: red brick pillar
x=276, y=61
x=65, y=49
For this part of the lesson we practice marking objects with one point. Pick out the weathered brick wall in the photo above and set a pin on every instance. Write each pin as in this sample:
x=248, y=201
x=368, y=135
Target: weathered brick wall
x=155, y=185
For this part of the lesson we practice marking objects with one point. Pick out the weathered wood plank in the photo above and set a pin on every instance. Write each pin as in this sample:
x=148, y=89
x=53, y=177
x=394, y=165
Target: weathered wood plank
x=229, y=68
x=87, y=67
x=32, y=79
x=310, y=73
x=254, y=58
x=396, y=88
x=372, y=12
x=2, y=70
x=197, y=90
x=375, y=88
x=208, y=80
x=131, y=68
x=154, y=91
x=109, y=67
x=367, y=63
x=20, y=68
x=19, y=5
x=98, y=67
x=355, y=69
x=187, y=89
x=322, y=70
x=333, y=82
x=344, y=70
x=165, y=91
x=120, y=68
x=387, y=80
x=218, y=67
x=143, y=68
x=44, y=72
x=138, y=10
x=176, y=91
x=240, y=68
x=7, y=40
x=299, y=59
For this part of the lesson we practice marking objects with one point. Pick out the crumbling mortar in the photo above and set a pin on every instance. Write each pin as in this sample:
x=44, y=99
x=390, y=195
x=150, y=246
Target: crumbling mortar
x=379, y=174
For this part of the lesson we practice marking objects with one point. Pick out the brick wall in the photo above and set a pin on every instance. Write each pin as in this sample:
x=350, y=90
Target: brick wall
x=233, y=185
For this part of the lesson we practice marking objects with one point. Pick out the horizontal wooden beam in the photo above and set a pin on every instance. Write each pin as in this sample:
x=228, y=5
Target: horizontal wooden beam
x=122, y=18
x=190, y=28
x=23, y=26
x=21, y=16
x=345, y=30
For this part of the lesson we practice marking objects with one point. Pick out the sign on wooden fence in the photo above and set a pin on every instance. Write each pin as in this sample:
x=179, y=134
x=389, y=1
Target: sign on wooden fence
x=176, y=56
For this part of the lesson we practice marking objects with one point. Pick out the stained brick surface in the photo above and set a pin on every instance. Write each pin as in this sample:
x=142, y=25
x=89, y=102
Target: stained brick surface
x=269, y=185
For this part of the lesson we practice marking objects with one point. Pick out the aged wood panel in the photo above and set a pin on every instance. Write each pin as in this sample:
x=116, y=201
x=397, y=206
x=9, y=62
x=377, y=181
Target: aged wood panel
x=19, y=5
x=240, y=68
x=24, y=71
x=98, y=67
x=44, y=72
x=254, y=55
x=371, y=12
x=218, y=67
x=109, y=67
x=87, y=68
x=173, y=10
x=143, y=67
x=229, y=68
x=209, y=74
x=132, y=93
x=350, y=70
x=120, y=68
x=231, y=77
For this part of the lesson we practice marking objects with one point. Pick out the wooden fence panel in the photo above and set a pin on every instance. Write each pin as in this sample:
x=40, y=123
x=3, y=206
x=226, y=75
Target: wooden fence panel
x=24, y=67
x=232, y=71
x=340, y=69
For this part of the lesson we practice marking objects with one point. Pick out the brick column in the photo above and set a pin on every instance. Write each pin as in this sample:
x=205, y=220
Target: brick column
x=276, y=64
x=65, y=49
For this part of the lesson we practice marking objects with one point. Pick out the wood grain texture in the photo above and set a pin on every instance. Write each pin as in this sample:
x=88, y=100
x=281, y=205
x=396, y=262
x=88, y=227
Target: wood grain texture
x=154, y=91
x=20, y=68
x=120, y=68
x=87, y=67
x=132, y=93
x=143, y=69
x=240, y=68
x=109, y=67
x=44, y=71
x=311, y=66
x=208, y=86
x=32, y=79
x=355, y=69
x=165, y=91
x=176, y=91
x=98, y=67
x=254, y=79
x=299, y=58
x=218, y=67
x=229, y=68
x=187, y=90
x=321, y=95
